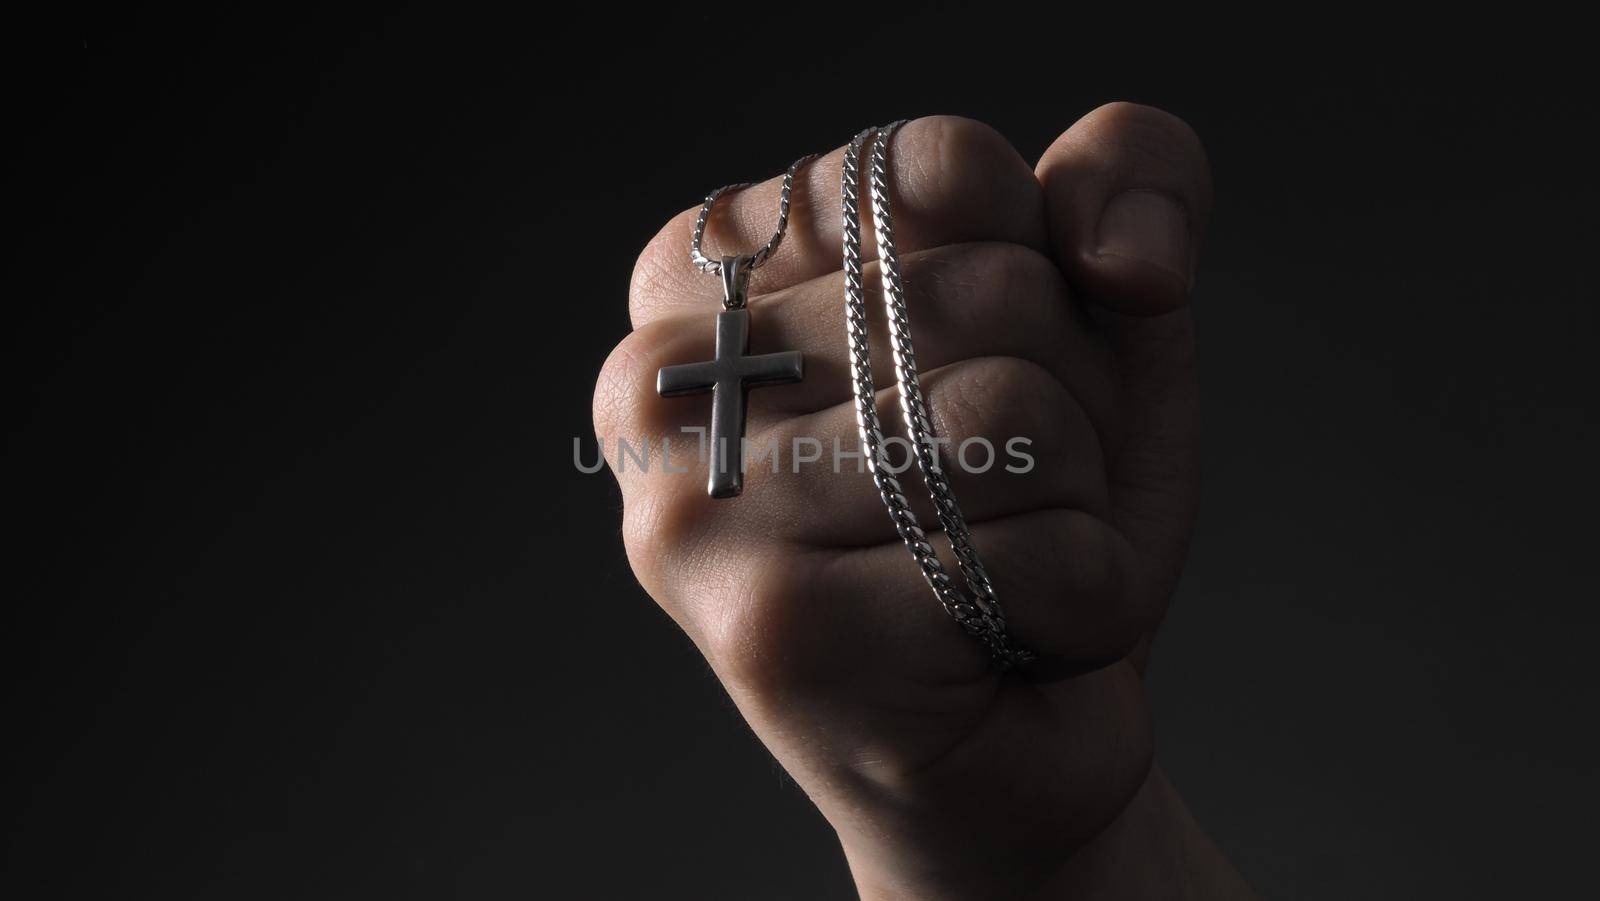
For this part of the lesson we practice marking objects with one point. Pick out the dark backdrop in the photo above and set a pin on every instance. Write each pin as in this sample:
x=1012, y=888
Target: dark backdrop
x=307, y=601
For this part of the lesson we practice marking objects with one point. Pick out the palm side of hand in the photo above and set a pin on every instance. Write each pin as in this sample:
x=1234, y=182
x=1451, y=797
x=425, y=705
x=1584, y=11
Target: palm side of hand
x=1048, y=304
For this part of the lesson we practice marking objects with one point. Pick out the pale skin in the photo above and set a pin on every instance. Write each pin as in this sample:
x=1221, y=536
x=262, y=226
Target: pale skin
x=1049, y=301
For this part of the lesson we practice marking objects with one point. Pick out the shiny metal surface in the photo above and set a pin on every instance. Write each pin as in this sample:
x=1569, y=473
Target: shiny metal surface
x=729, y=377
x=977, y=610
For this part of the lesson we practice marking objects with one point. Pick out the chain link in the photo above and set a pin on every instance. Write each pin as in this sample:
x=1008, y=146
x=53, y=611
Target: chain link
x=979, y=614
x=714, y=266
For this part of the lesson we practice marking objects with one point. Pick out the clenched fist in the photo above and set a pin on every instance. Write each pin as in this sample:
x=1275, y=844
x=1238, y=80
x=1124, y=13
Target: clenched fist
x=1048, y=303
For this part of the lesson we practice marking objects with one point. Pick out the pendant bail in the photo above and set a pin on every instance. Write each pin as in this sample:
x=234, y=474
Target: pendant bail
x=735, y=282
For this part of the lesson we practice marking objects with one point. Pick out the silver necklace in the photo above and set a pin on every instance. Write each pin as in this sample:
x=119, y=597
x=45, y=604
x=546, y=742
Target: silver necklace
x=732, y=373
x=977, y=610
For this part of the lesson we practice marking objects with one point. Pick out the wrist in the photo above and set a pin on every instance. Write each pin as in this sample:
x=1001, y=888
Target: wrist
x=1154, y=849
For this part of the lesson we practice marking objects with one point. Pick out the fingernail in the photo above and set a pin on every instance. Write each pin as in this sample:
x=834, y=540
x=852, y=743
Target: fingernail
x=1148, y=226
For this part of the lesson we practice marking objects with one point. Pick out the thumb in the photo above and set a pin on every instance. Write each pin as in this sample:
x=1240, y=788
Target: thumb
x=1128, y=194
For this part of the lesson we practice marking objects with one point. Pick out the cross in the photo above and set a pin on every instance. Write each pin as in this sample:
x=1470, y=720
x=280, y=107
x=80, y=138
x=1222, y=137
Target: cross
x=729, y=378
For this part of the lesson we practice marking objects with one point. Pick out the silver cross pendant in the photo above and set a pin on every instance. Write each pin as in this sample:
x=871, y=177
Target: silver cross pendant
x=729, y=377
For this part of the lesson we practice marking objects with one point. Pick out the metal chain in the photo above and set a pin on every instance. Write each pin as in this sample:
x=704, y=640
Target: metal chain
x=714, y=267
x=979, y=614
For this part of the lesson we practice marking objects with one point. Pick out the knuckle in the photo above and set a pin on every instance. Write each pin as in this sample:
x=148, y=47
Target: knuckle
x=616, y=388
x=957, y=140
x=1023, y=263
x=1112, y=575
x=980, y=288
x=627, y=379
x=990, y=263
x=1004, y=408
x=646, y=540
x=758, y=638
x=673, y=513
x=660, y=268
x=997, y=396
x=952, y=161
x=665, y=530
x=1104, y=613
x=1023, y=277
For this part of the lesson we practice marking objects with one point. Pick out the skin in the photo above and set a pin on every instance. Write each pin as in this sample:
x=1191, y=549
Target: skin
x=1049, y=301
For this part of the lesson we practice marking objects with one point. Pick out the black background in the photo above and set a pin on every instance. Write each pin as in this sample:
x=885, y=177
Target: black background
x=308, y=601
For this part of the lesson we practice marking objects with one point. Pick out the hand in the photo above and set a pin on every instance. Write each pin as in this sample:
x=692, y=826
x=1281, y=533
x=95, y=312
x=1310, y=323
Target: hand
x=1047, y=303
